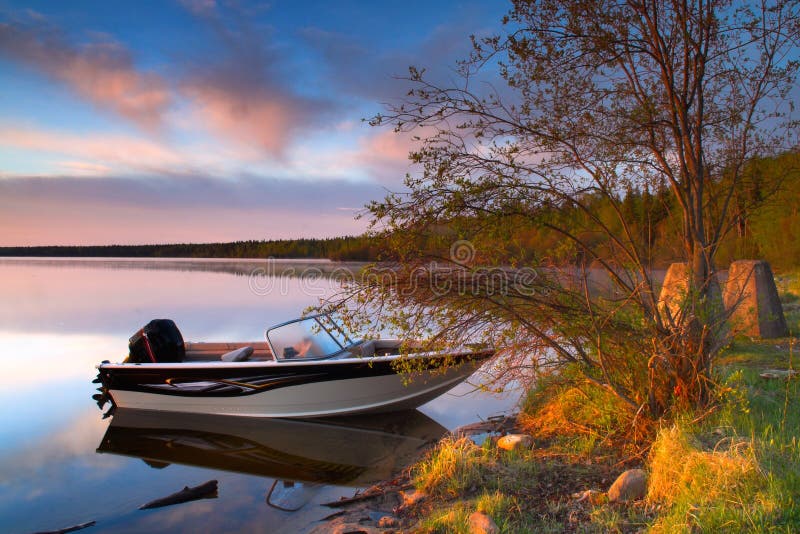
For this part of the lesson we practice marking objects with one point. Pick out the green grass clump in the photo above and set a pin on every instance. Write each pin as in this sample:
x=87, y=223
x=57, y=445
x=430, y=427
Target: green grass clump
x=454, y=467
x=706, y=489
x=738, y=471
x=458, y=466
x=502, y=508
x=461, y=477
x=478, y=476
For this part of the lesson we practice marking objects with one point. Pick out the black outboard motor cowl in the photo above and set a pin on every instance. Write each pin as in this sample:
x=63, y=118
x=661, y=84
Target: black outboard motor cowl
x=159, y=341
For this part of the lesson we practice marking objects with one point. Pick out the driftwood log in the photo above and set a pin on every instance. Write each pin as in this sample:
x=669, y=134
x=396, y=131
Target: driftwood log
x=370, y=493
x=203, y=491
x=496, y=424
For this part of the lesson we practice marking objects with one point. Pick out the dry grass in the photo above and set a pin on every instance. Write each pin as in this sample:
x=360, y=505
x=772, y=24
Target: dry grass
x=712, y=483
x=585, y=420
x=679, y=466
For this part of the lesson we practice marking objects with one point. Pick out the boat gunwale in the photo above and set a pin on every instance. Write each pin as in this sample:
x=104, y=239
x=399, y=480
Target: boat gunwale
x=477, y=354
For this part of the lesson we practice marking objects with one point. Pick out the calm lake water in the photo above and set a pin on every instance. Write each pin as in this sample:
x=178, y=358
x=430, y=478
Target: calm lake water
x=63, y=464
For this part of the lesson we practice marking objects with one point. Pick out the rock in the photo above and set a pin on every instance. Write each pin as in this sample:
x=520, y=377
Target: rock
x=752, y=299
x=388, y=521
x=512, y=442
x=480, y=523
x=410, y=498
x=593, y=497
x=629, y=486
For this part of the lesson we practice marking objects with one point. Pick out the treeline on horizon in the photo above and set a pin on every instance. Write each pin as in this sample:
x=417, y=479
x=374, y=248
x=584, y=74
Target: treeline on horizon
x=348, y=248
x=764, y=219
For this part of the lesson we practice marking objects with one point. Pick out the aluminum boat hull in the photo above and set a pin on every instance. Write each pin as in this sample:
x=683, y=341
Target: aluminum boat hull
x=288, y=390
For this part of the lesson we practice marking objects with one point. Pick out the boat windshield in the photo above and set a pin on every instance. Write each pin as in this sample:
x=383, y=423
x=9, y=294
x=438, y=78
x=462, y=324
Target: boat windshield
x=304, y=338
x=329, y=323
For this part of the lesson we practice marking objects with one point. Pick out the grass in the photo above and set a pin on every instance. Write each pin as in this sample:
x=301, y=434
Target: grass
x=455, y=467
x=455, y=518
x=736, y=470
x=707, y=489
x=477, y=478
x=587, y=421
x=520, y=490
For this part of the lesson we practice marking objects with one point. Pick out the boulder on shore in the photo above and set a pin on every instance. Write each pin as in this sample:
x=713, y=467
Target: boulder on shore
x=629, y=486
x=388, y=521
x=480, y=523
x=512, y=442
x=412, y=498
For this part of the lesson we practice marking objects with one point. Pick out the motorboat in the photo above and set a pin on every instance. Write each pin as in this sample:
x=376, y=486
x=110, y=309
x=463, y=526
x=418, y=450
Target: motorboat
x=349, y=451
x=308, y=367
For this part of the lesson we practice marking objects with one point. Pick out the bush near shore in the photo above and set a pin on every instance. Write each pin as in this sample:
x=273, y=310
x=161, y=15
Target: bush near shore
x=735, y=468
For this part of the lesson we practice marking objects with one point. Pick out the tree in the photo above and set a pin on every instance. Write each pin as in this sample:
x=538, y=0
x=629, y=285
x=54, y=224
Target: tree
x=600, y=97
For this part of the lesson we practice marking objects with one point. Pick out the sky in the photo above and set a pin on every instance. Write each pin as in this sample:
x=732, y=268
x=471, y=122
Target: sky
x=209, y=120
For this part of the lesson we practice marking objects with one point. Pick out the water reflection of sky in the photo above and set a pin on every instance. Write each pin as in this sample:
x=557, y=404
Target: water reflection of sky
x=80, y=299
x=58, y=320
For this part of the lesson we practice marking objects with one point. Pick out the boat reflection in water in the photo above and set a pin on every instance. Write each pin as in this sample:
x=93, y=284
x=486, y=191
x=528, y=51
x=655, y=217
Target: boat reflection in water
x=348, y=451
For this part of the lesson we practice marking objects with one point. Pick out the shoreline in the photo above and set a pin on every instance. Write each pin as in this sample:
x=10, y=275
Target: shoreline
x=396, y=499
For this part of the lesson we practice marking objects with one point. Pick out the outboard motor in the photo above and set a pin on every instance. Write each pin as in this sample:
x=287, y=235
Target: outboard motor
x=159, y=341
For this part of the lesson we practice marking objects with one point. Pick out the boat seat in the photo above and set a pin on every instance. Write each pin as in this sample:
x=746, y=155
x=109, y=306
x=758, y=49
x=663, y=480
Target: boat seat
x=239, y=355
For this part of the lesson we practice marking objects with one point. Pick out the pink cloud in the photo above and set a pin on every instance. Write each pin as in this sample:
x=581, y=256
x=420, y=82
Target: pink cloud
x=384, y=153
x=50, y=221
x=96, y=152
x=242, y=90
x=390, y=146
x=380, y=156
x=85, y=167
x=250, y=116
x=102, y=72
x=107, y=210
x=237, y=93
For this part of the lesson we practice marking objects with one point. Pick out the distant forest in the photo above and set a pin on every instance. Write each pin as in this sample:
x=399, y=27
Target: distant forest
x=764, y=220
x=336, y=248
